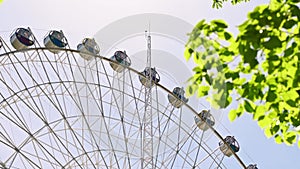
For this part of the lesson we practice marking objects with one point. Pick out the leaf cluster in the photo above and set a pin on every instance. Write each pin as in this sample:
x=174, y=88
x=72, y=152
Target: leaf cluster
x=219, y=3
x=260, y=67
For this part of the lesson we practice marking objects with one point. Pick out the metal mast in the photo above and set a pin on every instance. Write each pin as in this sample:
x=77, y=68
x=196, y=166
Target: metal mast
x=148, y=161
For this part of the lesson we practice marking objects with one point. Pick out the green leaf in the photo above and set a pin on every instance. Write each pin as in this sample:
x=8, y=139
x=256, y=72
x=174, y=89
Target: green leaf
x=272, y=43
x=188, y=53
x=229, y=86
x=290, y=137
x=295, y=121
x=283, y=127
x=197, y=57
x=239, y=81
x=278, y=139
x=295, y=11
x=200, y=24
x=291, y=95
x=275, y=129
x=248, y=107
x=294, y=1
x=288, y=52
x=264, y=121
x=291, y=103
x=259, y=78
x=191, y=89
x=275, y=4
x=197, y=69
x=259, y=112
x=283, y=116
x=232, y=115
x=227, y=35
x=273, y=115
x=220, y=23
x=268, y=132
x=203, y=91
x=299, y=143
x=208, y=79
x=271, y=96
x=232, y=75
x=240, y=110
x=217, y=4
x=249, y=56
x=289, y=24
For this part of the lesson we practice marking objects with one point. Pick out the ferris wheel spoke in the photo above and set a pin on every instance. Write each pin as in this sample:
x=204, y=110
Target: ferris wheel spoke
x=13, y=109
x=24, y=164
x=205, y=158
x=68, y=125
x=14, y=92
x=56, y=138
x=55, y=147
x=42, y=156
x=164, y=126
x=7, y=142
x=81, y=107
x=190, y=149
x=7, y=78
x=105, y=123
x=199, y=147
x=15, y=121
x=179, y=148
x=101, y=96
x=59, y=140
x=125, y=137
x=179, y=133
x=31, y=140
x=62, y=143
x=215, y=162
x=22, y=157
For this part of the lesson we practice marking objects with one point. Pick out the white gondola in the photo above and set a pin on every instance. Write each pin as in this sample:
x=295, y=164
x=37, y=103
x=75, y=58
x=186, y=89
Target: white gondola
x=252, y=166
x=177, y=100
x=122, y=59
x=150, y=77
x=21, y=38
x=231, y=146
x=55, y=39
x=88, y=48
x=205, y=121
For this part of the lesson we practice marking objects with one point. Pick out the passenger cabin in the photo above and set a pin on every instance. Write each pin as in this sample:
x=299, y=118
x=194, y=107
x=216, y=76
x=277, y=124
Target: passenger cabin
x=88, y=48
x=204, y=120
x=232, y=143
x=252, y=166
x=149, y=77
x=122, y=61
x=21, y=38
x=177, y=98
x=55, y=40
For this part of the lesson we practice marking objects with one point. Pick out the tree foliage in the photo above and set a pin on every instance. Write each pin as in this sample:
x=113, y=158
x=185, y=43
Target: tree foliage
x=219, y=3
x=259, y=68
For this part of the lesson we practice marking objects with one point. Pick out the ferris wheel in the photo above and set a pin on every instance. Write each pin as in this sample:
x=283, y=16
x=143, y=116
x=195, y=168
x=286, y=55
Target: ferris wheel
x=73, y=108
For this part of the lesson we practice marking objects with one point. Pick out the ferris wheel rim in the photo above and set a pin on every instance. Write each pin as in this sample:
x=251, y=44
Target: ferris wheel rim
x=131, y=69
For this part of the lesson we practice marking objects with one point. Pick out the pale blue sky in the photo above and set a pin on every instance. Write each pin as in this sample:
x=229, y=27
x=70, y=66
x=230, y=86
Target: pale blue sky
x=78, y=19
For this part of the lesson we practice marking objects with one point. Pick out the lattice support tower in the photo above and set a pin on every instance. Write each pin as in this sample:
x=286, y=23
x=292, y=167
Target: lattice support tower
x=148, y=161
